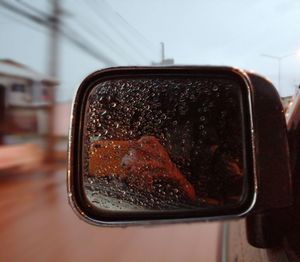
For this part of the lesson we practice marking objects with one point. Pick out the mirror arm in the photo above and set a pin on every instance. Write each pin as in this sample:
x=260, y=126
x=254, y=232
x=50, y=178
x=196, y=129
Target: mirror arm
x=267, y=229
x=271, y=217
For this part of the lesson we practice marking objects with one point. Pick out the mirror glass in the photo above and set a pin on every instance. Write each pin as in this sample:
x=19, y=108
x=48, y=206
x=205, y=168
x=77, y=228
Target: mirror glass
x=164, y=143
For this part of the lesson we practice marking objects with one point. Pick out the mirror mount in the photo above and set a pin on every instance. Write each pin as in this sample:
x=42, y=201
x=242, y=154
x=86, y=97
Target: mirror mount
x=267, y=229
x=271, y=218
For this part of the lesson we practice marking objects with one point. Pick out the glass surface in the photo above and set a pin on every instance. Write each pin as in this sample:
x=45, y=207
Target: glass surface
x=164, y=144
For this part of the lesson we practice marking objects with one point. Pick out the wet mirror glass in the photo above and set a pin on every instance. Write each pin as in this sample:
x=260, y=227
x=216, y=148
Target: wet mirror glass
x=164, y=143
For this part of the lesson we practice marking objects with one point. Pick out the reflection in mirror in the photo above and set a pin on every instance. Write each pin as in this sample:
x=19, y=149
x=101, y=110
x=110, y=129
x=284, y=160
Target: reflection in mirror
x=164, y=144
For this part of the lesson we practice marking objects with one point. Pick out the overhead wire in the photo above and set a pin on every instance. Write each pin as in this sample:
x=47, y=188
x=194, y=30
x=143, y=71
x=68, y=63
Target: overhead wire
x=129, y=26
x=33, y=8
x=46, y=21
x=103, y=38
x=131, y=44
x=110, y=43
x=22, y=22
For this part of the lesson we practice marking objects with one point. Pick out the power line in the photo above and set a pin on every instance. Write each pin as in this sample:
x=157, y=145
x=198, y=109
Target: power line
x=103, y=38
x=69, y=28
x=33, y=8
x=125, y=38
x=23, y=13
x=109, y=41
x=74, y=40
x=75, y=37
x=130, y=26
x=22, y=22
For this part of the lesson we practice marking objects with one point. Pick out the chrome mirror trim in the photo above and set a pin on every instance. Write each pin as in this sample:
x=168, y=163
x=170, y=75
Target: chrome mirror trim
x=70, y=183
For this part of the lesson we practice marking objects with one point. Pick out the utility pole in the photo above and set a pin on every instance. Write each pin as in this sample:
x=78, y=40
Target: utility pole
x=53, y=68
x=162, y=51
x=164, y=61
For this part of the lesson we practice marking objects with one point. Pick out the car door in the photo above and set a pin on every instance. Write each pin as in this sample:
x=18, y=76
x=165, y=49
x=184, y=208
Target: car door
x=235, y=246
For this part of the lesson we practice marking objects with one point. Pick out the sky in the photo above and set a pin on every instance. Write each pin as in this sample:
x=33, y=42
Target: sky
x=128, y=32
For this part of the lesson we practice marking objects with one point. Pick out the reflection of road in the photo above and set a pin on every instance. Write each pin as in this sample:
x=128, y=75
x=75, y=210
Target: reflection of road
x=37, y=224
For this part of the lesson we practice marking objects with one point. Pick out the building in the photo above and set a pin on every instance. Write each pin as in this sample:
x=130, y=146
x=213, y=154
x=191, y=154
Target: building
x=286, y=102
x=25, y=97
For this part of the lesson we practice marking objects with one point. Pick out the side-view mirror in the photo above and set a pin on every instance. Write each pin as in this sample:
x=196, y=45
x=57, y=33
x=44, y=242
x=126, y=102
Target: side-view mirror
x=173, y=144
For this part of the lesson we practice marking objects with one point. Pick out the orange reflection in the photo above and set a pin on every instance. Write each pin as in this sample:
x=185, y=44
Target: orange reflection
x=145, y=158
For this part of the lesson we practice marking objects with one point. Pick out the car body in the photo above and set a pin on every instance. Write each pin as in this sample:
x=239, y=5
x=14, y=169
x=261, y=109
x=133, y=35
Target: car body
x=235, y=246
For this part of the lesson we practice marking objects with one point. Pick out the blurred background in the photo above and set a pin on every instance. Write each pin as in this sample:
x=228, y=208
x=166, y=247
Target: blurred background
x=47, y=47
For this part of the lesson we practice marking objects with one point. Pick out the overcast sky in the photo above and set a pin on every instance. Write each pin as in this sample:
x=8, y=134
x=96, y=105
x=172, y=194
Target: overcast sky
x=215, y=32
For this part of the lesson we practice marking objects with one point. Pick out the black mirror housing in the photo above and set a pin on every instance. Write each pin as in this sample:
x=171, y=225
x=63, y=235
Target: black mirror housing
x=267, y=178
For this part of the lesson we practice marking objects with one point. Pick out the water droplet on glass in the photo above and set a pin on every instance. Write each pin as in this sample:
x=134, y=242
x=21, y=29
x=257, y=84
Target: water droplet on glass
x=149, y=163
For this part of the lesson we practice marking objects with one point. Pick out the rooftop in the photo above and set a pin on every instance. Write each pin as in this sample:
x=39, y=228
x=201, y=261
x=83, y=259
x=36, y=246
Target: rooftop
x=14, y=69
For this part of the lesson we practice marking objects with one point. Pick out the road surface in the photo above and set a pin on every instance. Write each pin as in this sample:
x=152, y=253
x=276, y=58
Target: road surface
x=37, y=224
